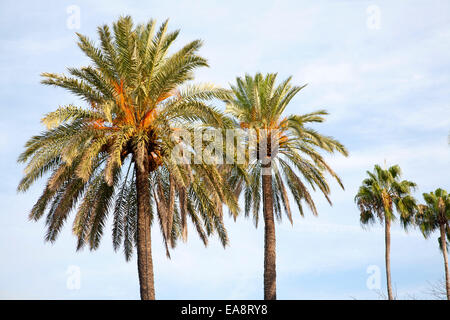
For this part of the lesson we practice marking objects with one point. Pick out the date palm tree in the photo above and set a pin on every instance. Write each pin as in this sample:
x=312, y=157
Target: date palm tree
x=433, y=215
x=378, y=196
x=284, y=155
x=116, y=153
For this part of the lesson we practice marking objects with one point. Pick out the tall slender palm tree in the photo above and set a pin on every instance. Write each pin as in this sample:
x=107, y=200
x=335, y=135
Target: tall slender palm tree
x=433, y=215
x=116, y=153
x=378, y=196
x=285, y=151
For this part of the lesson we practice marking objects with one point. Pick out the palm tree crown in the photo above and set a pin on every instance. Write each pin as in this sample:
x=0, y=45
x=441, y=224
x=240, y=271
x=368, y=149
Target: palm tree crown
x=383, y=192
x=434, y=212
x=259, y=104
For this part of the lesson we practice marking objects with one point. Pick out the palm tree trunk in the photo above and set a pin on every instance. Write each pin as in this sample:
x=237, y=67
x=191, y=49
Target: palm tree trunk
x=444, y=251
x=270, y=274
x=387, y=239
x=144, y=245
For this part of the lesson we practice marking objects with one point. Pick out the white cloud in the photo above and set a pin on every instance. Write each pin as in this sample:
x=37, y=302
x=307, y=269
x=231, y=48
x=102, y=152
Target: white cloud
x=404, y=154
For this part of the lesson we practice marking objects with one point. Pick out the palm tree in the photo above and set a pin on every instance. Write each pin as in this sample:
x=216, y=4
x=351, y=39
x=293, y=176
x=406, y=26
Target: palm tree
x=258, y=107
x=377, y=197
x=116, y=153
x=433, y=215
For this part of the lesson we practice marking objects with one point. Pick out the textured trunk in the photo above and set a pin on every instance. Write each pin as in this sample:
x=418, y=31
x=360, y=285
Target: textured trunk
x=144, y=244
x=270, y=274
x=387, y=239
x=444, y=251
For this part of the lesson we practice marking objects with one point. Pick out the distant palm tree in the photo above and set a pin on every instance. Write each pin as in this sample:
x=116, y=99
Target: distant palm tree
x=259, y=106
x=116, y=154
x=378, y=196
x=433, y=215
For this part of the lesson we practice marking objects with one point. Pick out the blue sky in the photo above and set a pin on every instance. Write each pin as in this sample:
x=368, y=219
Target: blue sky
x=384, y=84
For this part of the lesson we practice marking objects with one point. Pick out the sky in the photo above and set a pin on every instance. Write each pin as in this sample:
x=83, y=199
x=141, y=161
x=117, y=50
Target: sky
x=381, y=69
